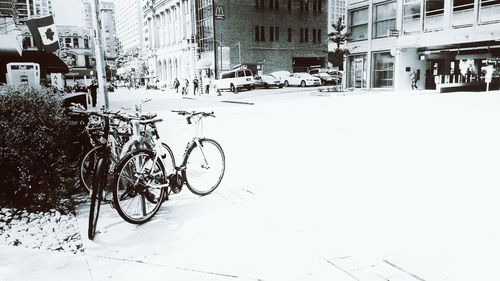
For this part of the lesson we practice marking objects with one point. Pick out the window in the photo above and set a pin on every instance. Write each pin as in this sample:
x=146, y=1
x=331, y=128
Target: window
x=76, y=43
x=306, y=35
x=241, y=73
x=411, y=16
x=257, y=33
x=383, y=70
x=384, y=19
x=434, y=15
x=463, y=11
x=318, y=35
x=259, y=3
x=248, y=73
x=317, y=6
x=86, y=43
x=289, y=5
x=274, y=33
x=26, y=42
x=274, y=4
x=314, y=35
x=489, y=11
x=289, y=35
x=358, y=24
x=301, y=35
x=67, y=42
x=262, y=34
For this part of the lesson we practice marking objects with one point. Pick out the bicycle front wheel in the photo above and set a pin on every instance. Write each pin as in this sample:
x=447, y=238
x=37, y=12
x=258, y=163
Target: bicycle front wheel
x=88, y=163
x=96, y=196
x=205, y=166
x=138, y=186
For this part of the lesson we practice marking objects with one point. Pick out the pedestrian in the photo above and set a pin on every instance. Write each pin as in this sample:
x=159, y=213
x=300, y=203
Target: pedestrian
x=93, y=93
x=195, y=85
x=413, y=78
x=176, y=85
x=186, y=87
x=207, y=86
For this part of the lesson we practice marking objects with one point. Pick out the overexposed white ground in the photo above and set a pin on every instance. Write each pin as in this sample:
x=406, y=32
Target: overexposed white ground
x=395, y=186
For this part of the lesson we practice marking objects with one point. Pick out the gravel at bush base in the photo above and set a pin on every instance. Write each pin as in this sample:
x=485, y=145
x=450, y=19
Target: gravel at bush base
x=51, y=230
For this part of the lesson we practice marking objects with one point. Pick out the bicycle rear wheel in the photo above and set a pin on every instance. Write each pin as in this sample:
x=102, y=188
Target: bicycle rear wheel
x=96, y=197
x=205, y=167
x=138, y=186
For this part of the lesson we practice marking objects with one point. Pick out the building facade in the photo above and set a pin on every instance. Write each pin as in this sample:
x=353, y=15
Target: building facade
x=108, y=29
x=128, y=19
x=168, y=40
x=266, y=35
x=448, y=43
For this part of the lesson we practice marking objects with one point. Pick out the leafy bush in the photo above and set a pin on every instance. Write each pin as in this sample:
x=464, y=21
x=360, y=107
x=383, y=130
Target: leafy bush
x=33, y=146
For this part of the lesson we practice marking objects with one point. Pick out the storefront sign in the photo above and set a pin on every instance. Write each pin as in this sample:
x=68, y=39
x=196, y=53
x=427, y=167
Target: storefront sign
x=393, y=33
x=219, y=13
x=57, y=80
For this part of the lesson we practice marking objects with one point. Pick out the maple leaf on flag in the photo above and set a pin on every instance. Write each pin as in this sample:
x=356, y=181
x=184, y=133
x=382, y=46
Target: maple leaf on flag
x=50, y=34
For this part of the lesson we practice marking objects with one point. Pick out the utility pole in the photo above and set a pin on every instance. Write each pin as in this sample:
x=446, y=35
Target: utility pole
x=239, y=52
x=215, y=40
x=99, y=52
x=220, y=47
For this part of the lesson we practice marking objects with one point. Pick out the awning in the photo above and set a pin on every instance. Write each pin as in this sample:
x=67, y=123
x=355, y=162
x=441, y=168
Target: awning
x=49, y=63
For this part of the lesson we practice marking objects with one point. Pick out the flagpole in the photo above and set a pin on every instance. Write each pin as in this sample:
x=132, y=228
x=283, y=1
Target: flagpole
x=99, y=52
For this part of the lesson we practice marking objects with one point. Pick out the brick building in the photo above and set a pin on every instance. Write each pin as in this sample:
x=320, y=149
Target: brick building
x=265, y=35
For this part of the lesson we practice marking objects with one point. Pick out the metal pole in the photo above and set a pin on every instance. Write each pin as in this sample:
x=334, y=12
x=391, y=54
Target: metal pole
x=215, y=42
x=239, y=52
x=220, y=45
x=99, y=52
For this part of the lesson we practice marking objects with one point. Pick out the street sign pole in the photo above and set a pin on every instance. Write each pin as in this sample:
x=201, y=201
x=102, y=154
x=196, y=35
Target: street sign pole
x=99, y=52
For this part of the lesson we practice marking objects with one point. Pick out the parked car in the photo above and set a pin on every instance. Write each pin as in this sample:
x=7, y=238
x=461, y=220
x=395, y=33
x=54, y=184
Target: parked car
x=302, y=79
x=281, y=75
x=326, y=78
x=267, y=81
x=235, y=79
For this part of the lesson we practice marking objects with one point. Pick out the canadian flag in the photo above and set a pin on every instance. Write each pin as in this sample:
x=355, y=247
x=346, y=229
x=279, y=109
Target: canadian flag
x=44, y=33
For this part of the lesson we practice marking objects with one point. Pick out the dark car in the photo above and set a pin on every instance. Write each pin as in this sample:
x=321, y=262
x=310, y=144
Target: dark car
x=267, y=81
x=327, y=76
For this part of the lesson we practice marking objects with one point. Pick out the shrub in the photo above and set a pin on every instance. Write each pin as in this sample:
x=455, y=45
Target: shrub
x=34, y=166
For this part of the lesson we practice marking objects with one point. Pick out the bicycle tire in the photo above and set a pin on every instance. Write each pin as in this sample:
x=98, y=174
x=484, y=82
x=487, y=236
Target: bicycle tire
x=96, y=197
x=127, y=188
x=195, y=168
x=88, y=160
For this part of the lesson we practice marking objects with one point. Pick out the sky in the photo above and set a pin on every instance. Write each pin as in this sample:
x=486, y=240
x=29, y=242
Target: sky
x=68, y=12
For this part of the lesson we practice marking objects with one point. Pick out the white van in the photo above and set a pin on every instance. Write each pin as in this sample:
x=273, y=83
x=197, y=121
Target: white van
x=235, y=79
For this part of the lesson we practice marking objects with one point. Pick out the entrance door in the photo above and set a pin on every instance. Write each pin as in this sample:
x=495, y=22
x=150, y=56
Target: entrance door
x=435, y=73
x=357, y=71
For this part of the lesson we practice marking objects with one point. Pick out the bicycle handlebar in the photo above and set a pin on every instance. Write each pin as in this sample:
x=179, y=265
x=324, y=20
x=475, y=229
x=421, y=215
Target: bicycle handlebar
x=193, y=113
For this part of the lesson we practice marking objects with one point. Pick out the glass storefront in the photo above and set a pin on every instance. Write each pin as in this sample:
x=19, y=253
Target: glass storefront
x=357, y=71
x=383, y=70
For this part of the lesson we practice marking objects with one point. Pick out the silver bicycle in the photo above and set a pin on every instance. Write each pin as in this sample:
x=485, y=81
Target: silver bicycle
x=144, y=178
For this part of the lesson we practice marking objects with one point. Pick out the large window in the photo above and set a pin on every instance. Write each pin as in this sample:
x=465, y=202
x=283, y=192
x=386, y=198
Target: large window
x=463, y=13
x=434, y=15
x=384, y=19
x=383, y=70
x=411, y=16
x=489, y=11
x=358, y=24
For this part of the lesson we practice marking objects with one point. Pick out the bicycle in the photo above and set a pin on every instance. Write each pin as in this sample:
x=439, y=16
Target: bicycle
x=142, y=176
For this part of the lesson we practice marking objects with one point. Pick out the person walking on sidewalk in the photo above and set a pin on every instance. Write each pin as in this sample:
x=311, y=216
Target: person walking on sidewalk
x=176, y=85
x=195, y=85
x=93, y=93
x=186, y=87
x=413, y=78
x=207, y=86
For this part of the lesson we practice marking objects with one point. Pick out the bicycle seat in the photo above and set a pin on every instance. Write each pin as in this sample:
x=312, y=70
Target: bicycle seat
x=148, y=115
x=150, y=121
